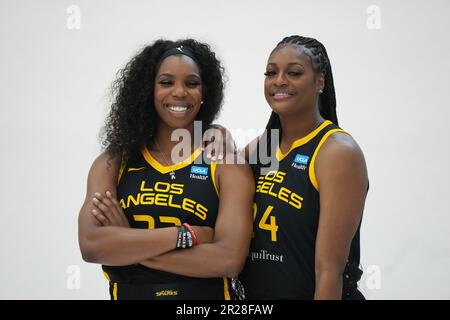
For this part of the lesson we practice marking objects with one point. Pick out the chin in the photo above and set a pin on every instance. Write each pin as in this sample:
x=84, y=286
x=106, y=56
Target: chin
x=283, y=110
x=179, y=123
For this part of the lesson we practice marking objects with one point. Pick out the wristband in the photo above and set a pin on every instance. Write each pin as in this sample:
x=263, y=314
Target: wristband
x=191, y=231
x=184, y=238
x=179, y=237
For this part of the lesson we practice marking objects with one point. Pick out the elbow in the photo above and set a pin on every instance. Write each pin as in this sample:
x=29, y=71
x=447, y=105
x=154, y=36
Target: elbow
x=88, y=258
x=89, y=252
x=236, y=258
x=234, y=267
x=88, y=255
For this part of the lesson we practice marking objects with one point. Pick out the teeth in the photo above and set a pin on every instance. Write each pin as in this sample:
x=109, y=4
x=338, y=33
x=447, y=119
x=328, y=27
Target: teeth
x=178, y=108
x=284, y=94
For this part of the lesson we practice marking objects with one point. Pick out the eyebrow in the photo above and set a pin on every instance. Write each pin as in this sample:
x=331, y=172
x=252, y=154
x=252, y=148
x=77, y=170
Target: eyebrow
x=171, y=75
x=289, y=64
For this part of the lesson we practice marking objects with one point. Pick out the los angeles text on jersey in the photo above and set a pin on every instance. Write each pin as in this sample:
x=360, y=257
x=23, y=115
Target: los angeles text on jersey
x=271, y=184
x=165, y=194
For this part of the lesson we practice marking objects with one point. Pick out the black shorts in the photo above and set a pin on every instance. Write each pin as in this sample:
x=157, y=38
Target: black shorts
x=206, y=289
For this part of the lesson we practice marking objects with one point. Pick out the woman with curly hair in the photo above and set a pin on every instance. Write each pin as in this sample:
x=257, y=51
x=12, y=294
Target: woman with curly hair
x=165, y=228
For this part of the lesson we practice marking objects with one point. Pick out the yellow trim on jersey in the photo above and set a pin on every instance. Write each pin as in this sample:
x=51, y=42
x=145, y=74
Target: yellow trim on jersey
x=106, y=276
x=115, y=291
x=312, y=170
x=226, y=290
x=297, y=143
x=165, y=169
x=123, y=164
x=136, y=169
x=213, y=176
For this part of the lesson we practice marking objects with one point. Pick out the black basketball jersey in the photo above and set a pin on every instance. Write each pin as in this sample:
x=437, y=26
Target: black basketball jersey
x=151, y=198
x=280, y=264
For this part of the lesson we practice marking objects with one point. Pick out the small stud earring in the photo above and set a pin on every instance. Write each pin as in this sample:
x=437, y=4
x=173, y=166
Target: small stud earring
x=201, y=102
x=320, y=91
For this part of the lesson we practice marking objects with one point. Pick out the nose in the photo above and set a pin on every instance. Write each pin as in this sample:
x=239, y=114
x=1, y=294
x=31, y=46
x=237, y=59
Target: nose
x=280, y=80
x=179, y=91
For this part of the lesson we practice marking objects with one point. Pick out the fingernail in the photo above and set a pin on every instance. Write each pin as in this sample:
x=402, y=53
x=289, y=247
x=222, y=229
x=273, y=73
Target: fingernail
x=94, y=212
x=97, y=194
x=95, y=199
x=108, y=194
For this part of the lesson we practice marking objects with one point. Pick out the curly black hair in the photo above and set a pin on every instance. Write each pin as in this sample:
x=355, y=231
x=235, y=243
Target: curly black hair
x=132, y=121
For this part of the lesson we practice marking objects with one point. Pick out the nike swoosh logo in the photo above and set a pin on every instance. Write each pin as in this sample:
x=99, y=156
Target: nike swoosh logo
x=135, y=169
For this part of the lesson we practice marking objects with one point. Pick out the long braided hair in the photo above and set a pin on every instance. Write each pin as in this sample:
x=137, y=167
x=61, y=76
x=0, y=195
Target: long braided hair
x=327, y=108
x=316, y=51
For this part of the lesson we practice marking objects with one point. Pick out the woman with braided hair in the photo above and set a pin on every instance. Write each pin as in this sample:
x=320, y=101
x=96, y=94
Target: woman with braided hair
x=165, y=228
x=309, y=202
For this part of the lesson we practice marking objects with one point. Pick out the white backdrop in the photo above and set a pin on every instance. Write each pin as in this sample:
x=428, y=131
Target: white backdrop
x=390, y=65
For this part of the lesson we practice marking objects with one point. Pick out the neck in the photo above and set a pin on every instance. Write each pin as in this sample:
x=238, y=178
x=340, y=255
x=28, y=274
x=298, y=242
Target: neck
x=298, y=126
x=163, y=143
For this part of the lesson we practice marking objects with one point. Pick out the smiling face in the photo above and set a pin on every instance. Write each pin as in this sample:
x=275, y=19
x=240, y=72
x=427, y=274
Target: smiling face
x=291, y=85
x=178, y=92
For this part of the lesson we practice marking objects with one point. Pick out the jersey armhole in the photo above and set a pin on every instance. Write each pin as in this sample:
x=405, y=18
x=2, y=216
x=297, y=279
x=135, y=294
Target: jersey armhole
x=312, y=171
